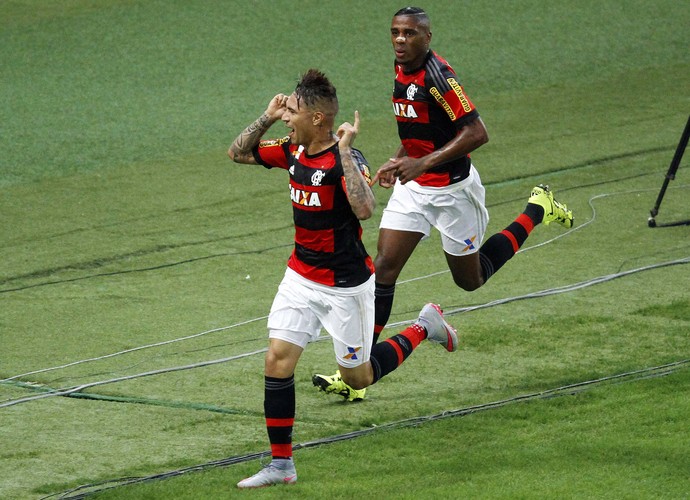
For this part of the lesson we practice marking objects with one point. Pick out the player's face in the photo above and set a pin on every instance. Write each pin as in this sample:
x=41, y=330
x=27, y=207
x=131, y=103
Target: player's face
x=410, y=41
x=299, y=119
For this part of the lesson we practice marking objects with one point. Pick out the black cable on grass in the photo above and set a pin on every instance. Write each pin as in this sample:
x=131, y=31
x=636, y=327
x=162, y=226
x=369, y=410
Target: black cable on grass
x=99, y=262
x=578, y=186
x=589, y=163
x=69, y=391
x=183, y=405
x=143, y=269
x=565, y=390
x=76, y=389
x=449, y=312
x=173, y=354
x=87, y=490
x=452, y=310
x=133, y=349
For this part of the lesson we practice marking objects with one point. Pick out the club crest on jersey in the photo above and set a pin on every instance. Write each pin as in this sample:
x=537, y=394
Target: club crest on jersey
x=404, y=110
x=317, y=177
x=304, y=198
x=411, y=91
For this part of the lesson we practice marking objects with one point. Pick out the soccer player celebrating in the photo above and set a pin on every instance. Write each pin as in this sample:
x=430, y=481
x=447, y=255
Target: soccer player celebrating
x=435, y=183
x=329, y=281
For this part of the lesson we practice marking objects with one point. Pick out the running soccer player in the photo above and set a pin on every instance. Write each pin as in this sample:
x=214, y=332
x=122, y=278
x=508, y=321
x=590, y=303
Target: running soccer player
x=433, y=179
x=329, y=281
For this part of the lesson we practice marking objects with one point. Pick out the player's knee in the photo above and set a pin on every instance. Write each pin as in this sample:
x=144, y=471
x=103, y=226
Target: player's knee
x=273, y=365
x=277, y=364
x=386, y=270
x=469, y=285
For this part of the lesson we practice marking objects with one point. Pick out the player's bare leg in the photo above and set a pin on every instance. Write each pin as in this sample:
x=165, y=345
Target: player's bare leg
x=393, y=251
x=466, y=270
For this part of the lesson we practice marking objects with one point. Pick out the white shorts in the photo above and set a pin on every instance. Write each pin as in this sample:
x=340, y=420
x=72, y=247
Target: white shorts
x=457, y=211
x=301, y=308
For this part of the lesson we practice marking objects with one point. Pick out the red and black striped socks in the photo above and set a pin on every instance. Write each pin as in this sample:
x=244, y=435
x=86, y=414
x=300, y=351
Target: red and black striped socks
x=279, y=409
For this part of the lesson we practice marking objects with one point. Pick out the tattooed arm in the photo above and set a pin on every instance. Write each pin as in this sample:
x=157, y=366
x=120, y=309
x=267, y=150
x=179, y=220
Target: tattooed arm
x=241, y=149
x=359, y=194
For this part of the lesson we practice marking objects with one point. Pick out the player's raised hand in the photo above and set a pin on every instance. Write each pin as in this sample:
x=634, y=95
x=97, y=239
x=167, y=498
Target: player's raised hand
x=347, y=132
x=276, y=107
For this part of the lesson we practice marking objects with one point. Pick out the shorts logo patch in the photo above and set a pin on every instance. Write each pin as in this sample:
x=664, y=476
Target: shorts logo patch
x=352, y=352
x=469, y=243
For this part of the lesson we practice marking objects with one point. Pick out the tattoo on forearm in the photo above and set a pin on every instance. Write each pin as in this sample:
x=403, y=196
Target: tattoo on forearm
x=359, y=193
x=251, y=136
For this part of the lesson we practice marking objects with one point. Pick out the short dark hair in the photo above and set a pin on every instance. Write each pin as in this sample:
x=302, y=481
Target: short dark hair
x=316, y=90
x=419, y=14
x=412, y=11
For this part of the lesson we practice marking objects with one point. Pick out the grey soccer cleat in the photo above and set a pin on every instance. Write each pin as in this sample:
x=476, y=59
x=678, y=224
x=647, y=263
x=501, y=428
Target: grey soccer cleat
x=437, y=328
x=270, y=475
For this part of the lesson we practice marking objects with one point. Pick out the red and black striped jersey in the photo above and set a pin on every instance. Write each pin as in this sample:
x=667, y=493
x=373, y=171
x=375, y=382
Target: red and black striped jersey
x=430, y=107
x=328, y=235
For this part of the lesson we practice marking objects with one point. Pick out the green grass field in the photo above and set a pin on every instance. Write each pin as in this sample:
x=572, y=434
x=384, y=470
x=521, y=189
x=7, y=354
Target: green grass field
x=139, y=263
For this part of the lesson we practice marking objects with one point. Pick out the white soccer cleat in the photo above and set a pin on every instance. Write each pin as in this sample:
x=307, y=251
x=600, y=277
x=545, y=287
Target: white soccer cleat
x=437, y=328
x=270, y=475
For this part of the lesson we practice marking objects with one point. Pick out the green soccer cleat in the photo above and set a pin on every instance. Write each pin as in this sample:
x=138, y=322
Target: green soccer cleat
x=553, y=210
x=335, y=385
